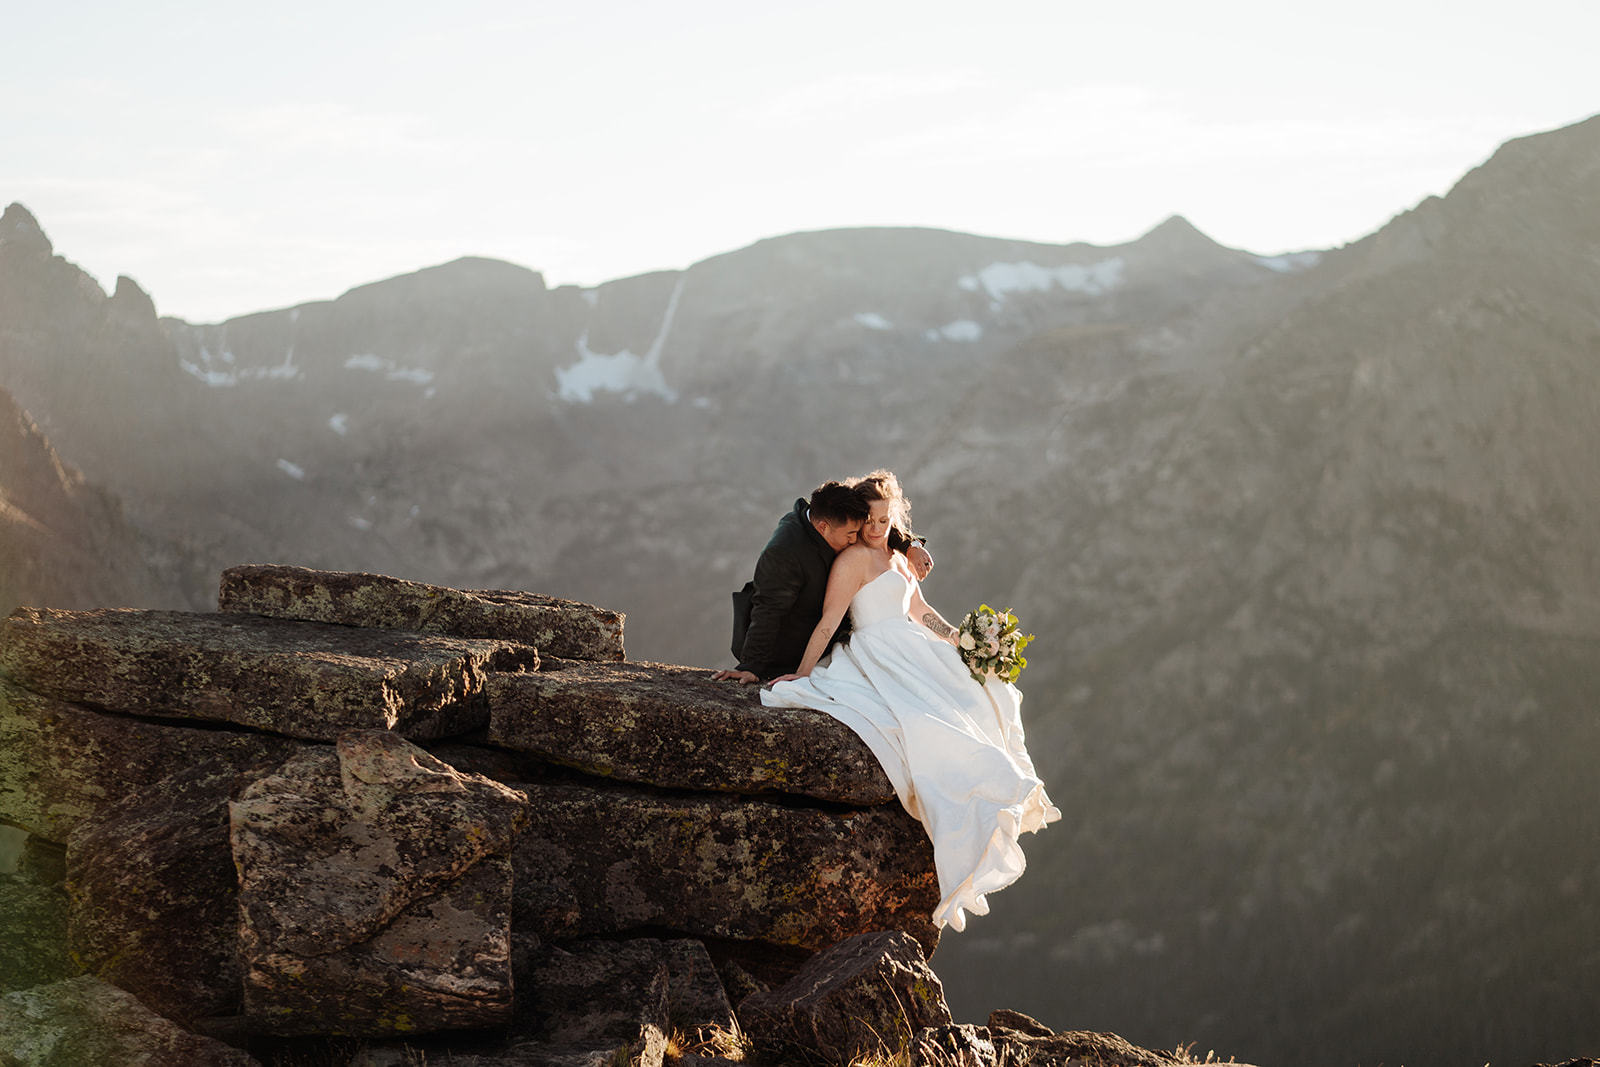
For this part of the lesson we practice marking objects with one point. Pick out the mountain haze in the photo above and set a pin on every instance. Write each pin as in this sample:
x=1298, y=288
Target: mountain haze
x=1307, y=544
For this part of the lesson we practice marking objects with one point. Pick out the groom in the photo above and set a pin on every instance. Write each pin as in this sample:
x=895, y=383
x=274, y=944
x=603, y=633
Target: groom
x=774, y=615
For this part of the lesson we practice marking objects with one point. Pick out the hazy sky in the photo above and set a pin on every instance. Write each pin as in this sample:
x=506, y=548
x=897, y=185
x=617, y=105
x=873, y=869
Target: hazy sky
x=233, y=158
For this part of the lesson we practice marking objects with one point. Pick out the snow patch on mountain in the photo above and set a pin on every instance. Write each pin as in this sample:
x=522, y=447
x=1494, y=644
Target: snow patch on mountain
x=959, y=330
x=293, y=470
x=221, y=370
x=1290, y=262
x=873, y=321
x=391, y=370
x=339, y=424
x=620, y=372
x=1001, y=279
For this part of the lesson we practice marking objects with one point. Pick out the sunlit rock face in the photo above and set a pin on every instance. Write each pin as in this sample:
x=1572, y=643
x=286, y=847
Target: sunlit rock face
x=64, y=539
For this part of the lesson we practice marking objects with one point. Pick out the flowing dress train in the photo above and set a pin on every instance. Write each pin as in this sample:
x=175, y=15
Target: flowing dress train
x=953, y=749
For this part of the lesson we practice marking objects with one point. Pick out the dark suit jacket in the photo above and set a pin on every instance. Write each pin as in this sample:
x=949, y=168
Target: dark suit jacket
x=784, y=602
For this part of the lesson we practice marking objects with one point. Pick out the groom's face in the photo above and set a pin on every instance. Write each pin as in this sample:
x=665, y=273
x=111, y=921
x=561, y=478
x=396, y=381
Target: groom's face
x=839, y=536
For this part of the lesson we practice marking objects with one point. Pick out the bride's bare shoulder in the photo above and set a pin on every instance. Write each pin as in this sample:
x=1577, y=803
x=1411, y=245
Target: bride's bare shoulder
x=852, y=555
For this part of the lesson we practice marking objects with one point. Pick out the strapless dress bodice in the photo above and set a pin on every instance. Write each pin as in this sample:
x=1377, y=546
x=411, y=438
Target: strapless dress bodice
x=888, y=596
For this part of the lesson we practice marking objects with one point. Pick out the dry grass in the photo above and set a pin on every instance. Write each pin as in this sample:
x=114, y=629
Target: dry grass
x=730, y=1044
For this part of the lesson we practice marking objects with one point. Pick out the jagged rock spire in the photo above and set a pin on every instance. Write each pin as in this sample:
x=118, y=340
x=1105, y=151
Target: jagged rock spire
x=18, y=228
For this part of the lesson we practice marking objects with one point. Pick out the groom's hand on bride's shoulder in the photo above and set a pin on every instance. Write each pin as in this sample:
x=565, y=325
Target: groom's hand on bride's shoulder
x=742, y=677
x=920, y=558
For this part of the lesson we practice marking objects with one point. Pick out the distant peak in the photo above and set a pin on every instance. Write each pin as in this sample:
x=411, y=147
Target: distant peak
x=18, y=227
x=1178, y=231
x=130, y=299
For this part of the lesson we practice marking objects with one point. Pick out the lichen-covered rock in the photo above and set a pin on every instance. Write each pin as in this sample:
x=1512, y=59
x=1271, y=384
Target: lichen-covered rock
x=866, y=996
x=602, y=861
x=375, y=892
x=33, y=934
x=598, y=996
x=82, y=1021
x=300, y=679
x=675, y=727
x=155, y=896
x=554, y=626
x=61, y=763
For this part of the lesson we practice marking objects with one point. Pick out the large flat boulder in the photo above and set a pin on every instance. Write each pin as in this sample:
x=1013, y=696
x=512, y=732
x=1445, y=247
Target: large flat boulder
x=155, y=895
x=375, y=892
x=82, y=1021
x=868, y=996
x=674, y=727
x=61, y=763
x=299, y=679
x=554, y=626
x=604, y=861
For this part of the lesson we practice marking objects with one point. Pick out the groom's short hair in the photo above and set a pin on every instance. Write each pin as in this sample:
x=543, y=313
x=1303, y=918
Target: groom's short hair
x=836, y=503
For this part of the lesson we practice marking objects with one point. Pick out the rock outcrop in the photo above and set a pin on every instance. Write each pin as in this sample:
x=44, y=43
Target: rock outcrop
x=386, y=814
x=236, y=830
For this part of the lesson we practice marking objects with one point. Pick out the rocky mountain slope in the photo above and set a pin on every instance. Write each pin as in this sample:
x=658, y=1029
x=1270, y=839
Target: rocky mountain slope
x=1323, y=606
x=1305, y=543
x=64, y=540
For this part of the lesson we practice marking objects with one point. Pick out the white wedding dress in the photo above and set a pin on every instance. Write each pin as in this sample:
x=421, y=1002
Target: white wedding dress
x=952, y=748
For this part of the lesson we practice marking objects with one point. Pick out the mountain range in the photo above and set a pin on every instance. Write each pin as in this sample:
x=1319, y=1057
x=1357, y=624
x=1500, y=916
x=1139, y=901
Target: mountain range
x=1306, y=543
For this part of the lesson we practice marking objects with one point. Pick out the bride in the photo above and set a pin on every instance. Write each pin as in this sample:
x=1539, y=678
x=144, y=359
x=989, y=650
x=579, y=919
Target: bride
x=952, y=748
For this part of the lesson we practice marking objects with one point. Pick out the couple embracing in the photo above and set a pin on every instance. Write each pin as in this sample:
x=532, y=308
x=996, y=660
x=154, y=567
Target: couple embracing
x=836, y=620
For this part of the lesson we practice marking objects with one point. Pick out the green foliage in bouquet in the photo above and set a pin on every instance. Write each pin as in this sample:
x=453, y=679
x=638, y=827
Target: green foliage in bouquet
x=991, y=644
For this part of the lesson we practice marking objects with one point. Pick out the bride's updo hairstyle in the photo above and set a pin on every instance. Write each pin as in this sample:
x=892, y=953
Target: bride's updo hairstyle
x=883, y=485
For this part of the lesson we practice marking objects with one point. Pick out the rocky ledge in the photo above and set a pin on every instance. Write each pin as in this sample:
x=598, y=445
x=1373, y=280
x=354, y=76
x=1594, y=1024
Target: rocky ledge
x=459, y=824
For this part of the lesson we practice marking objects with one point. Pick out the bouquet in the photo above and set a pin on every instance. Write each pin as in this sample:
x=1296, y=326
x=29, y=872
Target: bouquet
x=991, y=644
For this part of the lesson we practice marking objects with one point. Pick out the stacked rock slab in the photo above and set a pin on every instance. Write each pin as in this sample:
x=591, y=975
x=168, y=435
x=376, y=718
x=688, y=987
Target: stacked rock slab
x=306, y=680
x=257, y=843
x=678, y=728
x=554, y=626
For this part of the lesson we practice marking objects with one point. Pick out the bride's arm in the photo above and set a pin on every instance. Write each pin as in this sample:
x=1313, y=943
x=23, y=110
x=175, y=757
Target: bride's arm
x=922, y=611
x=844, y=581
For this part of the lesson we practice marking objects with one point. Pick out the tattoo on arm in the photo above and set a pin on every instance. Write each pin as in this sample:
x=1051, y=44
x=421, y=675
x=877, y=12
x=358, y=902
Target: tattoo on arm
x=938, y=625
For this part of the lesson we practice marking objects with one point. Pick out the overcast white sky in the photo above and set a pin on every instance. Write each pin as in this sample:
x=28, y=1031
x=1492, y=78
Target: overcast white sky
x=234, y=158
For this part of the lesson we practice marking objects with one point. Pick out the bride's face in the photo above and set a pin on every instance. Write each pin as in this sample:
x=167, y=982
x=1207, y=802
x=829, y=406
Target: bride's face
x=875, y=531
